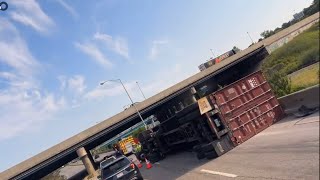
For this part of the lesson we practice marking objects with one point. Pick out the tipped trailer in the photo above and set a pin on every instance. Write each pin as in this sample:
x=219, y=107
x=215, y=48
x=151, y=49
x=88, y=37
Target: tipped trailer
x=217, y=122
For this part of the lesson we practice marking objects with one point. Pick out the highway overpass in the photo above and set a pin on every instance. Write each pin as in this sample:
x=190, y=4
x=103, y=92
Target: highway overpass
x=237, y=66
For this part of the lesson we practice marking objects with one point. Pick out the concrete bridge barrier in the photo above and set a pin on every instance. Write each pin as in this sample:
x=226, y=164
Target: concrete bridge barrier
x=308, y=97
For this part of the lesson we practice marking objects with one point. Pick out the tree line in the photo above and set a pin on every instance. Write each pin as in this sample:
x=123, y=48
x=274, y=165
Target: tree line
x=313, y=8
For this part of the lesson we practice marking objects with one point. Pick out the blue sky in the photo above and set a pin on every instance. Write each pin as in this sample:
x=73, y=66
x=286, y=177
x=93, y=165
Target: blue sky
x=54, y=53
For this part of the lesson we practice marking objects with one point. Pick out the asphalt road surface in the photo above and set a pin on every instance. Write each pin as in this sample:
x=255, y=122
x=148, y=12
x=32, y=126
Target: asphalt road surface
x=287, y=150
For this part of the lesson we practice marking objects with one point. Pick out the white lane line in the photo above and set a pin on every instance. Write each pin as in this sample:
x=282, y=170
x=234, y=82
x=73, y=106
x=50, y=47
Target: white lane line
x=219, y=173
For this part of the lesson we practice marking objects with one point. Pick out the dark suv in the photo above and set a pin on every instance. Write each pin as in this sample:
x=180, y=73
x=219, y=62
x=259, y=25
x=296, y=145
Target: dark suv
x=119, y=168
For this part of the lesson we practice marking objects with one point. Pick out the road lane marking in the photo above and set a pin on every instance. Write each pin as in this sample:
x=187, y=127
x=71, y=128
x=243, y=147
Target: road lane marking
x=219, y=173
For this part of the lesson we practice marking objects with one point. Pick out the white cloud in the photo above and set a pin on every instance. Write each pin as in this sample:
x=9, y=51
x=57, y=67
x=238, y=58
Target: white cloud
x=30, y=14
x=76, y=84
x=8, y=76
x=21, y=110
x=68, y=8
x=22, y=102
x=63, y=82
x=155, y=49
x=109, y=90
x=162, y=80
x=94, y=52
x=118, y=45
x=15, y=55
x=166, y=78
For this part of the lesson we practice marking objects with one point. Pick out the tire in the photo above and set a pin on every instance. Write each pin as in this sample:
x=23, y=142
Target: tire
x=140, y=176
x=149, y=146
x=138, y=155
x=207, y=147
x=142, y=156
x=154, y=157
x=201, y=156
x=144, y=135
x=196, y=148
x=211, y=155
x=162, y=156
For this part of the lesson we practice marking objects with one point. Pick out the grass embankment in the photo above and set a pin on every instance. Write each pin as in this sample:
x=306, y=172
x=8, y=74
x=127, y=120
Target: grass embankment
x=302, y=51
x=306, y=77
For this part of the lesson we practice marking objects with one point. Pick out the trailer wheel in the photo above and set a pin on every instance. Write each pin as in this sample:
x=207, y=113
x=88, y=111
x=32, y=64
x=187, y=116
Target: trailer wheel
x=201, y=155
x=196, y=148
x=144, y=135
x=154, y=157
x=211, y=155
x=207, y=147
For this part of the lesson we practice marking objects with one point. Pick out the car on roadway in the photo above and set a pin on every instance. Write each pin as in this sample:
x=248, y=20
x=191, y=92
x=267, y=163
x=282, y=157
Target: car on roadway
x=119, y=168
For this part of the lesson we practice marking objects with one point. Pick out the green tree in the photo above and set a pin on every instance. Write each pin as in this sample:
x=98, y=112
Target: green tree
x=137, y=132
x=280, y=84
x=236, y=49
x=267, y=33
x=285, y=25
x=312, y=9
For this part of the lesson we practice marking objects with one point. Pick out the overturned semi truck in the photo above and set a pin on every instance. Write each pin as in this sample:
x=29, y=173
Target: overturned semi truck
x=217, y=122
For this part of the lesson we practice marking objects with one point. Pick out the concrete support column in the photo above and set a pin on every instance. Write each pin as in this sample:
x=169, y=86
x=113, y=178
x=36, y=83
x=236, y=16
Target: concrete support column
x=82, y=153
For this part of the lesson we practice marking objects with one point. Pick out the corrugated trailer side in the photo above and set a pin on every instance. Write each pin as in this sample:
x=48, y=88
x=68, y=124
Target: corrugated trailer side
x=246, y=107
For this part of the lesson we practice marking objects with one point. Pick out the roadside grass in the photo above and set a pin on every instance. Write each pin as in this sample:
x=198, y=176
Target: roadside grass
x=300, y=52
x=304, y=78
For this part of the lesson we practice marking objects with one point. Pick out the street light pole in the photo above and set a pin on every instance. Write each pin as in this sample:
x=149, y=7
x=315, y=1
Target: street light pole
x=119, y=80
x=212, y=53
x=140, y=90
x=250, y=37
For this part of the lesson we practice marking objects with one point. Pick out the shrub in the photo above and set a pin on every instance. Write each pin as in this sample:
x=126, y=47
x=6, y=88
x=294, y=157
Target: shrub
x=280, y=84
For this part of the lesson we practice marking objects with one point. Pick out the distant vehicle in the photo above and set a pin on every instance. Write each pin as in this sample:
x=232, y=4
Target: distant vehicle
x=96, y=156
x=130, y=105
x=118, y=168
x=218, y=59
x=126, y=144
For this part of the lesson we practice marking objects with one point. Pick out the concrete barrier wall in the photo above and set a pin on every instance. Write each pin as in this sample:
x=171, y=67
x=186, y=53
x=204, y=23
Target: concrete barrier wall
x=308, y=97
x=275, y=45
x=277, y=40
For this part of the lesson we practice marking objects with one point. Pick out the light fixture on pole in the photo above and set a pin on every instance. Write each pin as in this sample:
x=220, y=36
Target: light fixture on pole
x=140, y=90
x=119, y=80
